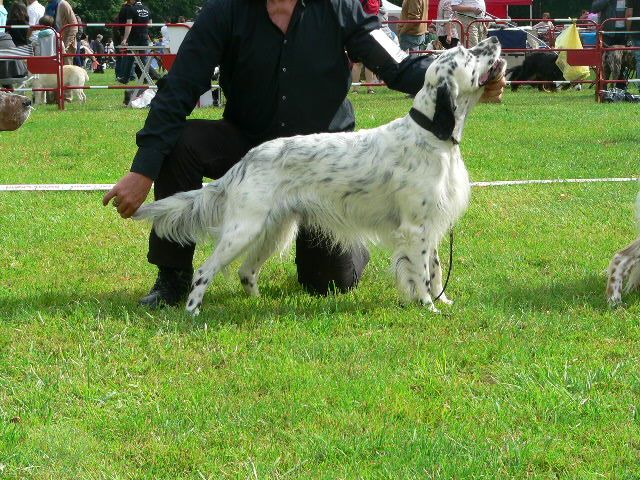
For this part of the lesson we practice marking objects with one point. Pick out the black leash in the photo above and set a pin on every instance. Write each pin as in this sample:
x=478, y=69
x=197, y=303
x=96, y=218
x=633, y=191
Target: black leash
x=450, y=265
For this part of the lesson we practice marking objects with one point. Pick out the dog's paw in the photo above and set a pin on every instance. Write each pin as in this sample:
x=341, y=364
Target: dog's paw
x=447, y=301
x=193, y=306
x=429, y=304
x=614, y=301
x=250, y=286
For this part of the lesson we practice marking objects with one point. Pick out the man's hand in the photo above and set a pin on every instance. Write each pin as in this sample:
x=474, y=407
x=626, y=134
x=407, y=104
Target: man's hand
x=129, y=193
x=493, y=91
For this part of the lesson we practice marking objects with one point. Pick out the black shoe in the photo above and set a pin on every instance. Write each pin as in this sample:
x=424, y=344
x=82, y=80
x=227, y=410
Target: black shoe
x=171, y=288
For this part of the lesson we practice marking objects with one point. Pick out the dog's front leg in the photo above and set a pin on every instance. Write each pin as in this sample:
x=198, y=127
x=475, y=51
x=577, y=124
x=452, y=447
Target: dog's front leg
x=623, y=265
x=435, y=272
x=411, y=266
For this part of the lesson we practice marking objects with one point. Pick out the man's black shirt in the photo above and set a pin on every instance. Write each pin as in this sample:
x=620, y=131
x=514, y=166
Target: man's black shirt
x=139, y=13
x=276, y=84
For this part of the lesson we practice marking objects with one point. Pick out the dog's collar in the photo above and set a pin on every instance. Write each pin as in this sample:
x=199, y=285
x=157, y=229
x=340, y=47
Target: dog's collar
x=425, y=122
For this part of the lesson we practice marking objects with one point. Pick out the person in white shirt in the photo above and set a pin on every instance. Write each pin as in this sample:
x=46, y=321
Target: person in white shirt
x=467, y=12
x=3, y=16
x=35, y=10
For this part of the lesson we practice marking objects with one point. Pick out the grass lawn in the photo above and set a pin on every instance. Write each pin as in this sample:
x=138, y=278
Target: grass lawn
x=528, y=375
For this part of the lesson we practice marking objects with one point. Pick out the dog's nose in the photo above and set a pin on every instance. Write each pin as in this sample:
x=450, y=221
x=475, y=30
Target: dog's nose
x=26, y=103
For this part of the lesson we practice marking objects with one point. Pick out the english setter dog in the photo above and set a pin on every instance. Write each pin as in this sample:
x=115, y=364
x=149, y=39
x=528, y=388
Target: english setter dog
x=625, y=266
x=402, y=184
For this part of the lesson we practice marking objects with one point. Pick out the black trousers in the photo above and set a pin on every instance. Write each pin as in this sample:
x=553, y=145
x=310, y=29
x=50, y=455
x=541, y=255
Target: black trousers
x=208, y=148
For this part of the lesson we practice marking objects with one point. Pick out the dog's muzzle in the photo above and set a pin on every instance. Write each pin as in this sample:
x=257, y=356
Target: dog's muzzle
x=494, y=72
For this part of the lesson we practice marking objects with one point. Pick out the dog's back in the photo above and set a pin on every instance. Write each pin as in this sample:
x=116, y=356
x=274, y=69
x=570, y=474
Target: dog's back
x=537, y=66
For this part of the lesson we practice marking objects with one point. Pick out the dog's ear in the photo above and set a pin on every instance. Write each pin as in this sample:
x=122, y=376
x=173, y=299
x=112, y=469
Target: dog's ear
x=444, y=120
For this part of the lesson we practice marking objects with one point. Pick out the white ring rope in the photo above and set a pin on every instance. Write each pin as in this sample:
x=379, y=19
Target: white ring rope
x=91, y=187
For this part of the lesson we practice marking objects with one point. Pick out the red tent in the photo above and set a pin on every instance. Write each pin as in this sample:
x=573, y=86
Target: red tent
x=499, y=8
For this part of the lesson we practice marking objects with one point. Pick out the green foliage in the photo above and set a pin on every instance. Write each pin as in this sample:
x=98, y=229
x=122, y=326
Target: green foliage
x=103, y=11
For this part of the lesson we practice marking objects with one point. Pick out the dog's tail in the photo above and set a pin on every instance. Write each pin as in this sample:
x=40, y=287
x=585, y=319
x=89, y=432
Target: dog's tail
x=186, y=217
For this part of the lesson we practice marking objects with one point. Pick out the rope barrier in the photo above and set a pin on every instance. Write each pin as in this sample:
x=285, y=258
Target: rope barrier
x=92, y=187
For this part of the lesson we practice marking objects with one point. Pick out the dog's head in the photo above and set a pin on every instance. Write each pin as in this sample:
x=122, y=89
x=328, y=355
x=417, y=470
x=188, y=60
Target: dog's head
x=454, y=83
x=14, y=110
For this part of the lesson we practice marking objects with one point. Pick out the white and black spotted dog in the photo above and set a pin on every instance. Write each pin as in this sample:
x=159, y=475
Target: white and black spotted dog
x=624, y=267
x=402, y=184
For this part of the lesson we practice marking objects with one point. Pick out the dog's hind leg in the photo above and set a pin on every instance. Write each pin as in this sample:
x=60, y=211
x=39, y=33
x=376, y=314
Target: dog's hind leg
x=435, y=272
x=275, y=237
x=625, y=265
x=234, y=240
x=411, y=265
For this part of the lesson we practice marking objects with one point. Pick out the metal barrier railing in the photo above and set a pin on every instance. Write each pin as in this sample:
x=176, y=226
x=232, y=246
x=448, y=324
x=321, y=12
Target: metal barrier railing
x=37, y=64
x=166, y=57
x=594, y=57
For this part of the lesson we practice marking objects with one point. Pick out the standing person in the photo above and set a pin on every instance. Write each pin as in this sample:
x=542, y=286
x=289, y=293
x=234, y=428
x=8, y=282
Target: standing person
x=35, y=10
x=18, y=16
x=98, y=48
x=448, y=32
x=3, y=16
x=66, y=16
x=118, y=34
x=611, y=9
x=133, y=36
x=52, y=8
x=544, y=28
x=276, y=39
x=412, y=34
x=467, y=12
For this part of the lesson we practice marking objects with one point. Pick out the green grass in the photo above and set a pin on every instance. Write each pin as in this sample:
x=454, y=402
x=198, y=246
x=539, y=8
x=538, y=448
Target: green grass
x=527, y=375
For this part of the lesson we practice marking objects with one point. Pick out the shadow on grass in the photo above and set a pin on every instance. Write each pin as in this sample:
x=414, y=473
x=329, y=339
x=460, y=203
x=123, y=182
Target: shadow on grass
x=222, y=305
x=558, y=296
x=228, y=305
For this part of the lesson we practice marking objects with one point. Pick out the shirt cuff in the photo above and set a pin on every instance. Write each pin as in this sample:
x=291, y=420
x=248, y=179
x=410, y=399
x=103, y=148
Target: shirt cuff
x=148, y=162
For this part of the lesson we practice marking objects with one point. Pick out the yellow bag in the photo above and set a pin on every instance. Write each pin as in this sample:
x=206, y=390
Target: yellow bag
x=570, y=38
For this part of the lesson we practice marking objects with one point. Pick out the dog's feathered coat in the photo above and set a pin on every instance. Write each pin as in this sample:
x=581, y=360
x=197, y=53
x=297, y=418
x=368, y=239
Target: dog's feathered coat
x=398, y=184
x=624, y=267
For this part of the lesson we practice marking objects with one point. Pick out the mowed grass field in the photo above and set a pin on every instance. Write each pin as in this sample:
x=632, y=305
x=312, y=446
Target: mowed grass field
x=528, y=375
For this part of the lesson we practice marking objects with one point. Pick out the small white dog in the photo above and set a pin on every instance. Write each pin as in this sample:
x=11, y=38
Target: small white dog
x=74, y=76
x=403, y=184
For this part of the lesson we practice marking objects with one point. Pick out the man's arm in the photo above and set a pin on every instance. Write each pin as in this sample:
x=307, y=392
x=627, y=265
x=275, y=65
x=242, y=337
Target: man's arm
x=367, y=43
x=127, y=31
x=459, y=8
x=188, y=79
